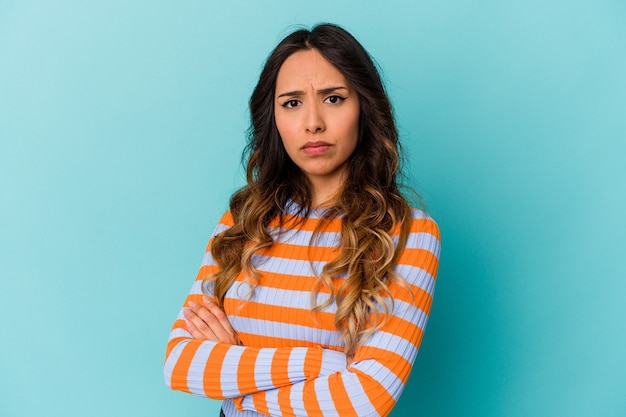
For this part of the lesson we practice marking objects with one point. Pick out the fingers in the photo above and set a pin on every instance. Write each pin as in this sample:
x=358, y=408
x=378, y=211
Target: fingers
x=224, y=331
x=197, y=326
x=219, y=315
x=209, y=322
x=195, y=332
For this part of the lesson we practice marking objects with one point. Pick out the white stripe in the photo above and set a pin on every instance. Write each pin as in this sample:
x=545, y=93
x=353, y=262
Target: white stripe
x=280, y=297
x=416, y=276
x=406, y=311
x=304, y=237
x=263, y=366
x=324, y=399
x=394, y=344
x=267, y=328
x=419, y=214
x=392, y=384
x=220, y=228
x=360, y=400
x=422, y=240
x=297, y=399
x=332, y=362
x=228, y=374
x=271, y=397
x=171, y=361
x=297, y=358
x=303, y=268
x=230, y=410
x=179, y=332
x=207, y=259
x=196, y=289
x=195, y=374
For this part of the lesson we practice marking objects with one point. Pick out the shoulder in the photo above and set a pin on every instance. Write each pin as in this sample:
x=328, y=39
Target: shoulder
x=422, y=222
x=424, y=233
x=227, y=219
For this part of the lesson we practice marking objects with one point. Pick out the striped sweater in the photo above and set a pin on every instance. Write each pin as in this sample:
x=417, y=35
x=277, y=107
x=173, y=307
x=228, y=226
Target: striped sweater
x=291, y=362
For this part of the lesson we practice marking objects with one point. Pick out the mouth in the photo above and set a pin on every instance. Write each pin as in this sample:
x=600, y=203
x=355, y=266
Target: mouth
x=315, y=148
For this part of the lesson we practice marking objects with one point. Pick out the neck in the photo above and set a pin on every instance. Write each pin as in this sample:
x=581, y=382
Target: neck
x=324, y=194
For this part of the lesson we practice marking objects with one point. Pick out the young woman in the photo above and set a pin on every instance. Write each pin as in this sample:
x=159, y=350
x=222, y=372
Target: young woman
x=316, y=286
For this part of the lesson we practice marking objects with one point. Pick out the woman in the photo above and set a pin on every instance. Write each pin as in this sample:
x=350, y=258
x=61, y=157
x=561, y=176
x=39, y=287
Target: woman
x=316, y=285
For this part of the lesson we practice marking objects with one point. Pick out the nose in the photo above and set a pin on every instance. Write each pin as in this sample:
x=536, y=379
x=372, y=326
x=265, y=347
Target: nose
x=314, y=122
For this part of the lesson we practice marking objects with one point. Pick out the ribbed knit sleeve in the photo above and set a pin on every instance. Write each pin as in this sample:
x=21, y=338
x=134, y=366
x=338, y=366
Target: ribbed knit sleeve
x=374, y=381
x=292, y=362
x=220, y=370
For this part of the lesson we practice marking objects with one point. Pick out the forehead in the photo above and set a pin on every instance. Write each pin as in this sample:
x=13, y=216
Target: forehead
x=308, y=68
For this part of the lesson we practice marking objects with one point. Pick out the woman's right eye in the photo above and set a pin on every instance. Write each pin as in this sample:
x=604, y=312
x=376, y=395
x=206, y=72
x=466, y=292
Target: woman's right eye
x=290, y=104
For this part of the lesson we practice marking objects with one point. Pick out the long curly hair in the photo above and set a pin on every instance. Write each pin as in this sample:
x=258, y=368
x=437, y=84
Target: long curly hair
x=371, y=204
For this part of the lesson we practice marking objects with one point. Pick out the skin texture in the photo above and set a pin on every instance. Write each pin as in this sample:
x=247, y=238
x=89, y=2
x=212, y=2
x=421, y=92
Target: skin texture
x=317, y=115
x=209, y=322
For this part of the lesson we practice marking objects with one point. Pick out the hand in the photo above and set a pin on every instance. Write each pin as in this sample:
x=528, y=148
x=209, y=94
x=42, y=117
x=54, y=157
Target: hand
x=209, y=322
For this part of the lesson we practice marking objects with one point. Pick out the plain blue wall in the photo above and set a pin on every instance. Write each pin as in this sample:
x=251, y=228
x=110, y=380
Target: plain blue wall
x=121, y=126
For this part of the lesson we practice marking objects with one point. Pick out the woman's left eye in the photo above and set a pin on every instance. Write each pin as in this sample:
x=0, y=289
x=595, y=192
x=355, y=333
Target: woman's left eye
x=335, y=99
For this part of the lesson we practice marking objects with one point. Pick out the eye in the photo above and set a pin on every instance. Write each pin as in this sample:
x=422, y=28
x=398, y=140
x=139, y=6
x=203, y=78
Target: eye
x=290, y=104
x=334, y=99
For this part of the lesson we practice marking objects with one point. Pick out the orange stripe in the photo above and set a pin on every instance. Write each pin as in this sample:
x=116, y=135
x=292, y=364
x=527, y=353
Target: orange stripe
x=182, y=367
x=245, y=371
x=377, y=394
x=193, y=297
x=425, y=226
x=290, y=282
x=340, y=396
x=402, y=328
x=311, y=405
x=395, y=362
x=279, y=314
x=301, y=252
x=313, y=362
x=227, y=219
x=179, y=324
x=284, y=401
x=212, y=377
x=420, y=258
x=249, y=339
x=423, y=301
x=308, y=224
x=171, y=344
x=238, y=403
x=260, y=403
x=280, y=361
x=415, y=296
x=205, y=271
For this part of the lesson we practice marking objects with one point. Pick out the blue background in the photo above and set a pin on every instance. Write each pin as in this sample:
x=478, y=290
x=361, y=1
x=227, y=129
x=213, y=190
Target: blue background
x=121, y=127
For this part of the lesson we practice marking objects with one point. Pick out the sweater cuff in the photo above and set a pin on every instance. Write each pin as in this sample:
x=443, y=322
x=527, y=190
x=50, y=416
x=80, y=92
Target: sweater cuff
x=332, y=362
x=320, y=362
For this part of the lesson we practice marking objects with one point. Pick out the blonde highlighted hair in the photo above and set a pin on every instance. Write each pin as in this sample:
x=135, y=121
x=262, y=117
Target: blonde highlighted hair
x=370, y=204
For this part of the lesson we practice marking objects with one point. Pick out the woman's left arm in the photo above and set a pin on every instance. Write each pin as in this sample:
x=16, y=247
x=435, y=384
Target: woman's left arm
x=373, y=382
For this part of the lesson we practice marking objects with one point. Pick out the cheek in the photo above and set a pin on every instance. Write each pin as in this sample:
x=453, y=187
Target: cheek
x=352, y=129
x=286, y=130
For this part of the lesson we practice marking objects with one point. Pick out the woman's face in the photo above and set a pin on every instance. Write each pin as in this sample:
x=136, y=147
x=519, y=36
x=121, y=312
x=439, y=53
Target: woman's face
x=317, y=115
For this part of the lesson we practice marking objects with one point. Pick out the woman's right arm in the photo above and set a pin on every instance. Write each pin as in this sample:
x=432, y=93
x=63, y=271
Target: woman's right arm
x=220, y=370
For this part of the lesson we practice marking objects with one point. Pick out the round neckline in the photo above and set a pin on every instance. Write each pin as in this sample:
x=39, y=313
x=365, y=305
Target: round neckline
x=291, y=207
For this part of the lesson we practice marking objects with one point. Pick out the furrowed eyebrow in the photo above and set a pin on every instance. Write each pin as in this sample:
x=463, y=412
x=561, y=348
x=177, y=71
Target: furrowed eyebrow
x=322, y=91
x=331, y=89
